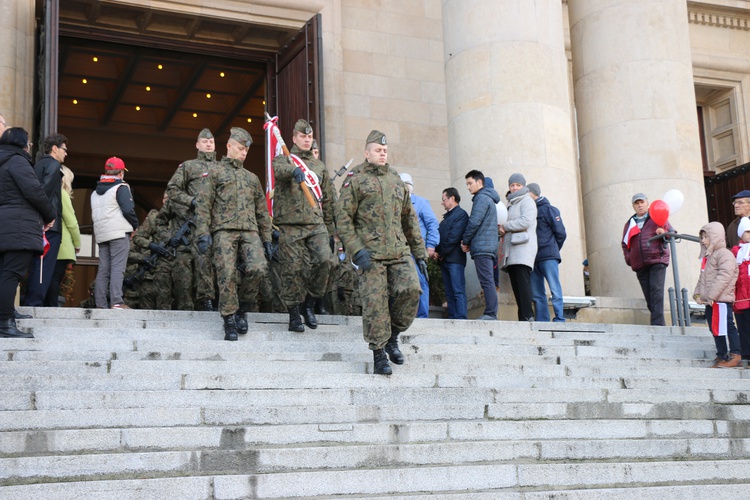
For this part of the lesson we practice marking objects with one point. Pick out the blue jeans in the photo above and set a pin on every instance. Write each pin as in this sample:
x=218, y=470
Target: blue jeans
x=423, y=311
x=547, y=270
x=36, y=292
x=484, y=265
x=454, y=282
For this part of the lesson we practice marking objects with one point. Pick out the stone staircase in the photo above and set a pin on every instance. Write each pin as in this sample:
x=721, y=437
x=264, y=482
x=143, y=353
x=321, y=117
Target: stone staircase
x=152, y=404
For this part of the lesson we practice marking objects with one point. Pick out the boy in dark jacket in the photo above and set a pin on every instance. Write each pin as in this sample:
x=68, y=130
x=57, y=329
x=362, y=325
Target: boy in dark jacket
x=550, y=236
x=649, y=261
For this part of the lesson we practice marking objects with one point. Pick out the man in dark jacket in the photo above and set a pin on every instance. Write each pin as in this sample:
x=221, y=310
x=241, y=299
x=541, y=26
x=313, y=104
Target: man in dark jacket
x=449, y=255
x=481, y=238
x=550, y=236
x=49, y=172
x=649, y=261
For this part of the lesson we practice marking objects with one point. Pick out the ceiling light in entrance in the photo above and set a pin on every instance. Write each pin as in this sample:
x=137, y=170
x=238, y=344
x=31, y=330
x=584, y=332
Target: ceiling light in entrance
x=95, y=59
x=160, y=66
x=75, y=101
x=148, y=89
x=208, y=96
x=195, y=115
x=249, y=120
x=85, y=81
x=221, y=74
x=137, y=108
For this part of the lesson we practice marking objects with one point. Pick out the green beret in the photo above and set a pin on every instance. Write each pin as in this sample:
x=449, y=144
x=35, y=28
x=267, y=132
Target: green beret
x=241, y=135
x=377, y=137
x=205, y=134
x=314, y=144
x=303, y=126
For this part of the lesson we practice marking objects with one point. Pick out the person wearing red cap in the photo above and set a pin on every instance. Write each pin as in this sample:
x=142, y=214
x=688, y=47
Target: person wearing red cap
x=113, y=214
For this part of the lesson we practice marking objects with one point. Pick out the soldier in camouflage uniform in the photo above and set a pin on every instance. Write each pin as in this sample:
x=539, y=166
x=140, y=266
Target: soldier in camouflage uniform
x=231, y=215
x=306, y=233
x=182, y=189
x=379, y=228
x=156, y=286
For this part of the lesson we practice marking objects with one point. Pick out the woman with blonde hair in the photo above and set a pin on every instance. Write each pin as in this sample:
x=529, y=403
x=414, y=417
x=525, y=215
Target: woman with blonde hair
x=70, y=244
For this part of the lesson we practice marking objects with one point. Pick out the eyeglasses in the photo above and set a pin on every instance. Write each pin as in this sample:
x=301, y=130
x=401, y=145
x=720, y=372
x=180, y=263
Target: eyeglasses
x=64, y=148
x=739, y=202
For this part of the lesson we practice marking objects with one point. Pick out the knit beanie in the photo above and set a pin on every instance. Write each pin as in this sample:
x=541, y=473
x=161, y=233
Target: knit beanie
x=534, y=189
x=743, y=226
x=517, y=179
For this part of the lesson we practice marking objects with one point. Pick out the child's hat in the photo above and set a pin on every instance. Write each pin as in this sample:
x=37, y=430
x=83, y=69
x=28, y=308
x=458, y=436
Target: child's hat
x=115, y=163
x=743, y=226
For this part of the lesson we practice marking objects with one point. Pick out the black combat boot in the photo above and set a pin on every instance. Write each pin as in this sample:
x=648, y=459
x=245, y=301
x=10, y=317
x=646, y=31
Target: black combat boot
x=320, y=306
x=240, y=319
x=394, y=353
x=295, y=322
x=381, y=363
x=205, y=305
x=230, y=327
x=18, y=315
x=8, y=330
x=308, y=312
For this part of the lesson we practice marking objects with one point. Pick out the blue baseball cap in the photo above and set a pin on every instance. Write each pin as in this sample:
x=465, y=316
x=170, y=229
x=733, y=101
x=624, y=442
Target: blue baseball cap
x=745, y=193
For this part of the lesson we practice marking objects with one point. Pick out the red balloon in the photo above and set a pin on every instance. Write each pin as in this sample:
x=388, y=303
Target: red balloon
x=659, y=212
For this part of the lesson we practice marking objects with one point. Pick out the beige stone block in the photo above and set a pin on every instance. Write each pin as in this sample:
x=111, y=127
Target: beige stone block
x=436, y=50
x=383, y=65
x=438, y=114
x=433, y=92
x=424, y=135
x=357, y=105
x=430, y=71
x=394, y=23
x=401, y=88
x=363, y=84
x=513, y=79
x=559, y=140
x=400, y=111
x=468, y=82
x=365, y=41
x=409, y=47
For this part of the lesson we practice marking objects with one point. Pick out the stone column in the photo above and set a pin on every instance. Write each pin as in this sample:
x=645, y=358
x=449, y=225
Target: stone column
x=509, y=106
x=17, y=62
x=637, y=128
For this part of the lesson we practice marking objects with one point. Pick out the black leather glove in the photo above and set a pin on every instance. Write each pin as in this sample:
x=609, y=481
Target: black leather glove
x=422, y=265
x=192, y=203
x=332, y=243
x=204, y=243
x=363, y=259
x=268, y=251
x=174, y=241
x=340, y=293
x=299, y=175
x=158, y=249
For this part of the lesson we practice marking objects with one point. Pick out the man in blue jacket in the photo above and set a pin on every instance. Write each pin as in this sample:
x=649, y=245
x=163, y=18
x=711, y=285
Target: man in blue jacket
x=550, y=235
x=429, y=226
x=448, y=253
x=481, y=238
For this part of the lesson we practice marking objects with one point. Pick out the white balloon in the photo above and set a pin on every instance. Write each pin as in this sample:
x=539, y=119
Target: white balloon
x=502, y=213
x=674, y=200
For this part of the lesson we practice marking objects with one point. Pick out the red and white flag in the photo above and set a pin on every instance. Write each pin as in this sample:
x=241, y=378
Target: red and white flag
x=719, y=312
x=273, y=149
x=311, y=178
x=633, y=229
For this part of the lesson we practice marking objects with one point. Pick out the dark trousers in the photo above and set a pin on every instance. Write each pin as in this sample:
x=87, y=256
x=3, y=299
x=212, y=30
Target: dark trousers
x=13, y=267
x=520, y=281
x=36, y=292
x=732, y=336
x=483, y=265
x=53, y=294
x=651, y=279
x=743, y=326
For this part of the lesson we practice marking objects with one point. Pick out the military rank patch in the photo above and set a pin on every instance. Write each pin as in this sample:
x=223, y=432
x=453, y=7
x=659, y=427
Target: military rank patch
x=346, y=184
x=350, y=174
x=204, y=174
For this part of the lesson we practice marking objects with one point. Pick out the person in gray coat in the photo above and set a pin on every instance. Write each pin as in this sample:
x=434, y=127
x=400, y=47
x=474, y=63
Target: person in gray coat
x=520, y=244
x=481, y=239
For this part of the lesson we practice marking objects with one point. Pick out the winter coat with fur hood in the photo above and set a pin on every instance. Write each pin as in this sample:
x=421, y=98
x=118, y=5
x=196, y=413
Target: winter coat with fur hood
x=718, y=267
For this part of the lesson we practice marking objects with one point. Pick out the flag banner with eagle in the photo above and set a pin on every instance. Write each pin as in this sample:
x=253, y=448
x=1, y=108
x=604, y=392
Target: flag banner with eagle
x=273, y=149
x=633, y=229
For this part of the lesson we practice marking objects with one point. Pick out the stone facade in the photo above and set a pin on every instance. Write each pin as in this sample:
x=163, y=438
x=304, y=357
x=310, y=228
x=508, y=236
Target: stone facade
x=592, y=99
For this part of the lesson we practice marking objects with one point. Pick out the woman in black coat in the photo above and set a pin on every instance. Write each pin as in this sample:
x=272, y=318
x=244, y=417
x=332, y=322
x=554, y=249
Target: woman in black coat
x=25, y=212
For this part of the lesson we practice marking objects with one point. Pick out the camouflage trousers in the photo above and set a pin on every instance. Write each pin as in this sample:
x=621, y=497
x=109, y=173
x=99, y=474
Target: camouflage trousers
x=231, y=247
x=390, y=295
x=304, y=262
x=203, y=270
x=156, y=289
x=182, y=279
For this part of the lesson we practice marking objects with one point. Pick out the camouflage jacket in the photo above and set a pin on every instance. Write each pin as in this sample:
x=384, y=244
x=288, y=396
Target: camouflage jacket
x=184, y=185
x=155, y=229
x=289, y=203
x=375, y=212
x=232, y=198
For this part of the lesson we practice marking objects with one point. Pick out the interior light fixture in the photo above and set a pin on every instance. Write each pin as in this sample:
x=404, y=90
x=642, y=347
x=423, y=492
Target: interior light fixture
x=160, y=66
x=264, y=103
x=208, y=96
x=148, y=89
x=95, y=59
x=221, y=74
x=75, y=101
x=249, y=120
x=195, y=115
x=137, y=108
x=85, y=81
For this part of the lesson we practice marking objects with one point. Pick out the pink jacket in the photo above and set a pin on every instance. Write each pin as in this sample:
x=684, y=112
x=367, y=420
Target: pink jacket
x=718, y=267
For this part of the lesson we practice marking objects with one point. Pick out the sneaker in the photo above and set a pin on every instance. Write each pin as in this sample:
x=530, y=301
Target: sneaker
x=734, y=361
x=120, y=306
x=487, y=317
